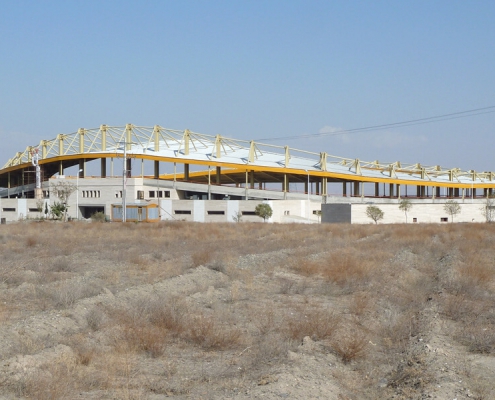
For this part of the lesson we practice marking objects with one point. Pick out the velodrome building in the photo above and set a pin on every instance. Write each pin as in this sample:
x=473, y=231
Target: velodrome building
x=165, y=174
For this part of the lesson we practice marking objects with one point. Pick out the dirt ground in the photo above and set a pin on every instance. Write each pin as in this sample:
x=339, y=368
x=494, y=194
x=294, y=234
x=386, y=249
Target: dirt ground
x=246, y=311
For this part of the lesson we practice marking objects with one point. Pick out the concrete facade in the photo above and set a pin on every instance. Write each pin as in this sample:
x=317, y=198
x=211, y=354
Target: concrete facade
x=420, y=213
x=176, y=203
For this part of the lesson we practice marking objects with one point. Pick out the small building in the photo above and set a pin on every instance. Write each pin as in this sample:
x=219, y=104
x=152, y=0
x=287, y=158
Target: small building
x=137, y=212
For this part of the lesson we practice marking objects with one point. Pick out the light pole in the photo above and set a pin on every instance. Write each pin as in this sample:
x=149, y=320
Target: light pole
x=209, y=183
x=124, y=180
x=77, y=194
x=307, y=172
x=124, y=185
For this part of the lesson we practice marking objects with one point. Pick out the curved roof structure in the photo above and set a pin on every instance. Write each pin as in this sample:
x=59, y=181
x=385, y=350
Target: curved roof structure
x=232, y=155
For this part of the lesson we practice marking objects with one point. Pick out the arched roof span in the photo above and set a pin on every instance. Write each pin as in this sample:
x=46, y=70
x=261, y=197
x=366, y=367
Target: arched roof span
x=187, y=147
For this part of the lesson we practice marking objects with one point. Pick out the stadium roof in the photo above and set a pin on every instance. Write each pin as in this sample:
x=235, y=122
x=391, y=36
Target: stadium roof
x=187, y=147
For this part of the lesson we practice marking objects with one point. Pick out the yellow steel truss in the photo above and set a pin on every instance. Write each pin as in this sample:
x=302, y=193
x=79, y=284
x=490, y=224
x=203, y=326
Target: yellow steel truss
x=108, y=141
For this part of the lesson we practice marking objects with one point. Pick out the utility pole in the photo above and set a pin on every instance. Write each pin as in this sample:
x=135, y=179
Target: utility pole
x=124, y=180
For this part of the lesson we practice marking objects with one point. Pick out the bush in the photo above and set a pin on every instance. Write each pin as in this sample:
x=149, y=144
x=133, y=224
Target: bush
x=350, y=345
x=99, y=217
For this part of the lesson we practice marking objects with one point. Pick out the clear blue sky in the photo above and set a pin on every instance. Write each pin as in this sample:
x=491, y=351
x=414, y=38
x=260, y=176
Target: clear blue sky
x=256, y=69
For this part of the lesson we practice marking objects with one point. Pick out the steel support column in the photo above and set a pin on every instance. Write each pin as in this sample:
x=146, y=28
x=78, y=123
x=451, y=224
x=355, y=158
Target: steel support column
x=82, y=165
x=356, y=189
x=103, y=168
x=157, y=169
x=186, y=172
x=324, y=186
x=218, y=175
x=128, y=168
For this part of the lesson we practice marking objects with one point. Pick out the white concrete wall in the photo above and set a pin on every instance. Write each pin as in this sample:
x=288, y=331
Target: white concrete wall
x=284, y=211
x=166, y=209
x=198, y=211
x=232, y=210
x=423, y=212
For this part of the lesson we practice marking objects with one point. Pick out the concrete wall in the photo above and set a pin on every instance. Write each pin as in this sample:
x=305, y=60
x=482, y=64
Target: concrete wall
x=423, y=212
x=284, y=211
x=226, y=210
x=336, y=213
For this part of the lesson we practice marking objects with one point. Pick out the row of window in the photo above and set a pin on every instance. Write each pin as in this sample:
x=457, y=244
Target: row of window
x=152, y=194
x=212, y=212
x=91, y=193
x=315, y=212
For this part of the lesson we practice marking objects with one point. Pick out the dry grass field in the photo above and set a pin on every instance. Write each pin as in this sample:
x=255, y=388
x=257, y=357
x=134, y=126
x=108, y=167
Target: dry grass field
x=246, y=311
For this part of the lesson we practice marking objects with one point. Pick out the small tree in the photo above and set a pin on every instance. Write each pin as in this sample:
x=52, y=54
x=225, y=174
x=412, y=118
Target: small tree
x=452, y=208
x=374, y=213
x=264, y=211
x=63, y=190
x=237, y=217
x=405, y=205
x=39, y=206
x=57, y=210
x=488, y=209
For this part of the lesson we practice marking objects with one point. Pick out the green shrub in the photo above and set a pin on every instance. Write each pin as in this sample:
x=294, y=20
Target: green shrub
x=99, y=217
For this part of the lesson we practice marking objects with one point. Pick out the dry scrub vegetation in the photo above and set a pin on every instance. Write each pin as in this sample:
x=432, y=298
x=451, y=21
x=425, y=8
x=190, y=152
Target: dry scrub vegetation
x=204, y=311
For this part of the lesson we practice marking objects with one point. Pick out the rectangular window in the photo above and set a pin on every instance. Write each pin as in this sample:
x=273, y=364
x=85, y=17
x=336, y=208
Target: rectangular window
x=152, y=194
x=167, y=193
x=444, y=219
x=140, y=194
x=188, y=212
x=248, y=213
x=33, y=210
x=8, y=209
x=415, y=220
x=216, y=212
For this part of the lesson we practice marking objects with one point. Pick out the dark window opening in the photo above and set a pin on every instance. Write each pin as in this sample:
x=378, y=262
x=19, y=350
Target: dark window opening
x=248, y=213
x=167, y=193
x=152, y=194
x=415, y=220
x=216, y=212
x=8, y=209
x=445, y=219
x=33, y=210
x=182, y=212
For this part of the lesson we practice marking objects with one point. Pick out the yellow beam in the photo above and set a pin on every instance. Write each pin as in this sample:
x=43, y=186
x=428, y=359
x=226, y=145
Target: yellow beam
x=277, y=170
